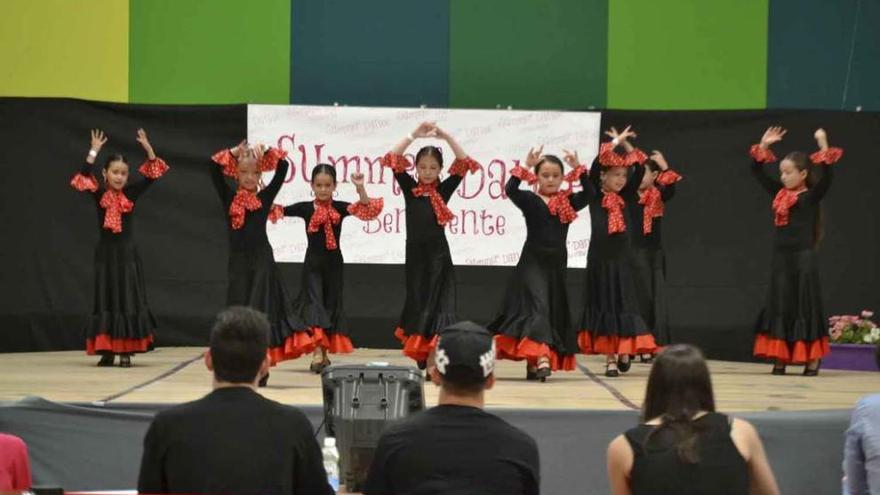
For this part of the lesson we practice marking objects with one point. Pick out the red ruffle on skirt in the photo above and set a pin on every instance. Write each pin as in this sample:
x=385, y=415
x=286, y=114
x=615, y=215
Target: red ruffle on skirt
x=105, y=343
x=415, y=346
x=612, y=344
x=507, y=347
x=334, y=342
x=294, y=346
x=799, y=352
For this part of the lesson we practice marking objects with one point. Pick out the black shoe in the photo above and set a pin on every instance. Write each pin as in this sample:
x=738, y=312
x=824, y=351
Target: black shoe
x=263, y=381
x=543, y=374
x=646, y=358
x=531, y=374
x=318, y=366
x=422, y=364
x=125, y=360
x=611, y=372
x=812, y=371
x=106, y=360
x=778, y=370
x=622, y=365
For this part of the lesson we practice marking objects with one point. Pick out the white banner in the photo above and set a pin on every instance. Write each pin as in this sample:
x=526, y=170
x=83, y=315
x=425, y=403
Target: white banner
x=488, y=228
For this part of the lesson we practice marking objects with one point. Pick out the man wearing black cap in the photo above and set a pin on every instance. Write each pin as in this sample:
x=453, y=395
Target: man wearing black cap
x=457, y=447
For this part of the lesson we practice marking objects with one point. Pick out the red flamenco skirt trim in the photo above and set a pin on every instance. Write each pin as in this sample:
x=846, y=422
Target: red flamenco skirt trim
x=104, y=343
x=612, y=344
x=334, y=343
x=780, y=350
x=294, y=346
x=415, y=346
x=507, y=347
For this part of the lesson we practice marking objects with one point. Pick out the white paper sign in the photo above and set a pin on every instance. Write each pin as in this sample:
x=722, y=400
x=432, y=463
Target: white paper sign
x=488, y=228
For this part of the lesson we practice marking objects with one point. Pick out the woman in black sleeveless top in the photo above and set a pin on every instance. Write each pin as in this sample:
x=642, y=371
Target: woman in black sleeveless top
x=683, y=446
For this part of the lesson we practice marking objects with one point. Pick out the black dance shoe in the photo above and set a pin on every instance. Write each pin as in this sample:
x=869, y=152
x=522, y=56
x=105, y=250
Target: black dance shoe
x=611, y=370
x=622, y=365
x=125, y=360
x=106, y=360
x=263, y=381
x=812, y=371
x=779, y=370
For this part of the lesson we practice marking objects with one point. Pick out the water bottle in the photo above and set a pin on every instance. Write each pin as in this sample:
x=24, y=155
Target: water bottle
x=331, y=462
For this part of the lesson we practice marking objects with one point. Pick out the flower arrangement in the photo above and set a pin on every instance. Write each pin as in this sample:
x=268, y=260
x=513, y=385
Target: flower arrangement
x=852, y=329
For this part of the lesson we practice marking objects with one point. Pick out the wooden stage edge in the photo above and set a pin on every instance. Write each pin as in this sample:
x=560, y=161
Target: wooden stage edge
x=178, y=374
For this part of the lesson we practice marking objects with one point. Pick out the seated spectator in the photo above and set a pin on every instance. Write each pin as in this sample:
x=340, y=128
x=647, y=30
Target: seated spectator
x=456, y=447
x=233, y=440
x=861, y=452
x=683, y=446
x=15, y=467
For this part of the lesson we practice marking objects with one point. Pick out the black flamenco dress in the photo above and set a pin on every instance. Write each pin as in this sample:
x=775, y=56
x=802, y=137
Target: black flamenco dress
x=254, y=278
x=319, y=303
x=792, y=327
x=646, y=215
x=611, y=322
x=430, y=302
x=535, y=319
x=121, y=321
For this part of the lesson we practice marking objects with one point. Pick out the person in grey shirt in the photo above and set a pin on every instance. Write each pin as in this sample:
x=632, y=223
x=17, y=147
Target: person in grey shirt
x=861, y=451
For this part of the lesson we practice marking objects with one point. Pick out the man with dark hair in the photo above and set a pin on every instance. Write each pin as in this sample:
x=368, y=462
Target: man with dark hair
x=456, y=447
x=233, y=440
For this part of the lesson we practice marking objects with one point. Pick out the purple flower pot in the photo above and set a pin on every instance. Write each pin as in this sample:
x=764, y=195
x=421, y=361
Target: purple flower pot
x=855, y=357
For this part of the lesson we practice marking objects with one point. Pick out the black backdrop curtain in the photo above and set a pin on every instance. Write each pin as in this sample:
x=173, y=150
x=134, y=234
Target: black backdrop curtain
x=718, y=228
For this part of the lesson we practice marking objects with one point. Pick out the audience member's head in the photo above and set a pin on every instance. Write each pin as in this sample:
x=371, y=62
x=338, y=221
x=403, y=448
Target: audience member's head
x=679, y=385
x=464, y=360
x=681, y=432
x=239, y=345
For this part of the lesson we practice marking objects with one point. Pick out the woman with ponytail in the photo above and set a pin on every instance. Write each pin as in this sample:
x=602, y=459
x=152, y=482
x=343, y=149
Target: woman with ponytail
x=682, y=445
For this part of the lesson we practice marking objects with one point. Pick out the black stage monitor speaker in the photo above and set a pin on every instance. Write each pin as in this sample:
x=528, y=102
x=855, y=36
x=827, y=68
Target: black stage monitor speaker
x=360, y=401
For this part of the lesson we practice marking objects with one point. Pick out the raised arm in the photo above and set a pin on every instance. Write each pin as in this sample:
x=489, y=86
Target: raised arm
x=84, y=180
x=588, y=192
x=281, y=167
x=667, y=178
x=397, y=162
x=151, y=169
x=826, y=156
x=518, y=174
x=461, y=166
x=224, y=164
x=762, y=154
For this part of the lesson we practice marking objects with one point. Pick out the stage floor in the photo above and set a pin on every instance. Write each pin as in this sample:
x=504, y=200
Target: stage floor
x=178, y=374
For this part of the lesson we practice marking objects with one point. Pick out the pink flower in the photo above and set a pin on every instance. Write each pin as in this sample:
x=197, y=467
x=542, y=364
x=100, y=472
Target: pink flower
x=867, y=313
x=836, y=333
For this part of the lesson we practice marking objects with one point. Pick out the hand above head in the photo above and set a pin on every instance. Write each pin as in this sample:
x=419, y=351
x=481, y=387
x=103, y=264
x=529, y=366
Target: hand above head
x=772, y=135
x=660, y=160
x=239, y=148
x=534, y=156
x=357, y=179
x=98, y=140
x=622, y=137
x=425, y=129
x=571, y=158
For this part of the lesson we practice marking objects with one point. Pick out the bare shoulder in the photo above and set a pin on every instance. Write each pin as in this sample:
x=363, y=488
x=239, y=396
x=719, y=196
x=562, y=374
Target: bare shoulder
x=744, y=436
x=619, y=451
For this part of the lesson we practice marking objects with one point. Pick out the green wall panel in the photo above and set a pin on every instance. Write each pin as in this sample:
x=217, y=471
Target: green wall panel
x=210, y=51
x=528, y=53
x=687, y=54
